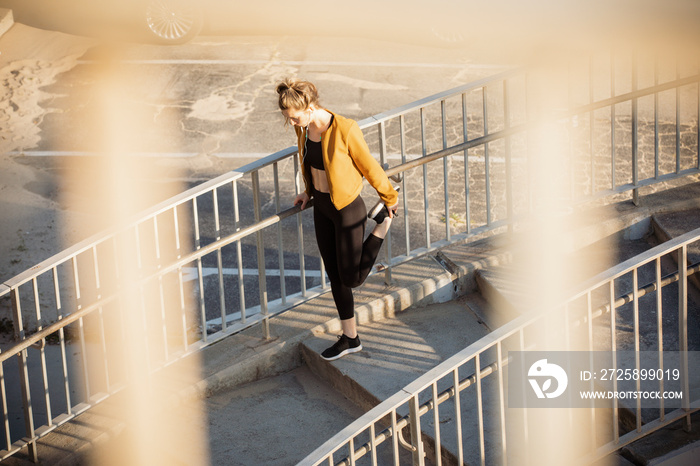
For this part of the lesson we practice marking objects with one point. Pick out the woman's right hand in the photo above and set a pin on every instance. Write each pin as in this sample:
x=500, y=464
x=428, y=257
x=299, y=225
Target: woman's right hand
x=302, y=199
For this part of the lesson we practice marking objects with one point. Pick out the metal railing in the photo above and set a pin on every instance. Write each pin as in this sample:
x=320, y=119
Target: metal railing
x=471, y=383
x=223, y=249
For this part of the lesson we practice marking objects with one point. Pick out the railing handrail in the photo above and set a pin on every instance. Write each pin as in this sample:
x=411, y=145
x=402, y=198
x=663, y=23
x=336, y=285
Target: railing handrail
x=231, y=176
x=488, y=341
x=61, y=257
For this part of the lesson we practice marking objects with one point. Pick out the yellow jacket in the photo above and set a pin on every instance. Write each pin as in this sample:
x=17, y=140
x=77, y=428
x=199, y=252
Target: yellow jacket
x=347, y=159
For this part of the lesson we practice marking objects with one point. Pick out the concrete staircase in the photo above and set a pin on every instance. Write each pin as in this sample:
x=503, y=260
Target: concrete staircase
x=400, y=346
x=274, y=401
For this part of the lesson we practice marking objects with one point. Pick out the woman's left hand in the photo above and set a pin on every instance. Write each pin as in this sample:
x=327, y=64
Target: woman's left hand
x=393, y=211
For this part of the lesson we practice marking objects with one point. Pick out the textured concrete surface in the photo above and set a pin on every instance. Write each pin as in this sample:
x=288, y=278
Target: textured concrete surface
x=398, y=351
x=273, y=412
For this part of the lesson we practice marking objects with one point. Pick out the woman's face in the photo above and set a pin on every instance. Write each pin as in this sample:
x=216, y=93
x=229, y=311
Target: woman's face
x=300, y=118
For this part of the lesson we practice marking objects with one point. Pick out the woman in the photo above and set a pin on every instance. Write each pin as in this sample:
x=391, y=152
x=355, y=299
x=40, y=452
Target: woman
x=334, y=158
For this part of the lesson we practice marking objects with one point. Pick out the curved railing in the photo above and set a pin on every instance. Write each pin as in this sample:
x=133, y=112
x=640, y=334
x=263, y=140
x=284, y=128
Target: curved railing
x=475, y=377
x=226, y=255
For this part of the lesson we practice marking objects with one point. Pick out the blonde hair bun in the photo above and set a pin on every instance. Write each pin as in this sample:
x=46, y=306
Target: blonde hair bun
x=297, y=94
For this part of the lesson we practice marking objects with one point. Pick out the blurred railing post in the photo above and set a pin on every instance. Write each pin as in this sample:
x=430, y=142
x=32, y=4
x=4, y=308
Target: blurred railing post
x=24, y=378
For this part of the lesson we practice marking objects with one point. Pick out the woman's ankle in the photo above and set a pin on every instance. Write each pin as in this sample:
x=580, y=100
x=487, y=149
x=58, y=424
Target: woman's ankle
x=381, y=230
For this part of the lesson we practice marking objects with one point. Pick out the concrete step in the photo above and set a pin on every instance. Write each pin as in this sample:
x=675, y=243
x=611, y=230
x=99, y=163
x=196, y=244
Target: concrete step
x=396, y=352
x=492, y=317
x=673, y=224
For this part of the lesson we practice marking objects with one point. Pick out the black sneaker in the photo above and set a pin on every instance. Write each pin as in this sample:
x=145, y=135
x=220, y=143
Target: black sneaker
x=380, y=211
x=344, y=345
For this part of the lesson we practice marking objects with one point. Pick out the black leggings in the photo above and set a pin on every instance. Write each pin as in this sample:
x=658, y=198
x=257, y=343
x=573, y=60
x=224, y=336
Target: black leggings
x=347, y=259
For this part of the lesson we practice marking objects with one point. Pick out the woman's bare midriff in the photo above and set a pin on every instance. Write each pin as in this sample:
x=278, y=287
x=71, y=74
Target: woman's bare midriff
x=320, y=180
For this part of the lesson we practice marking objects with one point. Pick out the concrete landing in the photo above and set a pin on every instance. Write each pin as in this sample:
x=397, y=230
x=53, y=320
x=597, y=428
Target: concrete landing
x=396, y=352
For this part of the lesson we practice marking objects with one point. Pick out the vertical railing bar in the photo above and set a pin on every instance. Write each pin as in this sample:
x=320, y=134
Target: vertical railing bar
x=195, y=220
x=416, y=431
x=426, y=203
x=183, y=310
x=37, y=304
x=445, y=170
x=202, y=302
x=81, y=327
x=300, y=231
x=480, y=409
x=156, y=237
x=42, y=352
x=407, y=231
x=502, y=403
x=178, y=251
x=280, y=245
x=100, y=314
x=260, y=246
x=394, y=437
x=24, y=375
x=660, y=333
x=635, y=135
x=487, y=169
x=373, y=443
x=219, y=260
x=382, y=158
x=458, y=415
x=683, y=330
x=465, y=131
x=613, y=346
x=351, y=446
x=200, y=272
x=176, y=225
x=436, y=422
x=5, y=411
x=76, y=281
x=62, y=340
x=239, y=253
x=635, y=307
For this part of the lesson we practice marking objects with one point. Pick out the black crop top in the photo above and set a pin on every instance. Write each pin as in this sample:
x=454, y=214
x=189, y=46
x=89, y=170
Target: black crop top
x=314, y=155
